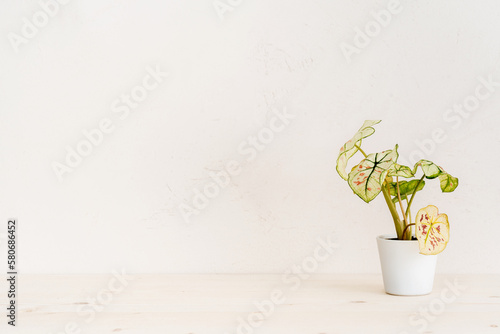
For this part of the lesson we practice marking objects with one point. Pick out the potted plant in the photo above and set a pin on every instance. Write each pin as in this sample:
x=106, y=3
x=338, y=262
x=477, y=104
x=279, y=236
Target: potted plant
x=408, y=259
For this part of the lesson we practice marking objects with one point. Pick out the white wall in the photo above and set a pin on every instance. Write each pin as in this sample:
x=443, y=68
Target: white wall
x=119, y=207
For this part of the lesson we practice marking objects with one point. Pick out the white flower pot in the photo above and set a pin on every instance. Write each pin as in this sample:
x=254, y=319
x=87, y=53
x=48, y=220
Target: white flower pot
x=406, y=272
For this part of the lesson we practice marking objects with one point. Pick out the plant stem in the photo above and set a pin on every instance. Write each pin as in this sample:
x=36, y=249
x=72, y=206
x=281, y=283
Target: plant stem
x=392, y=208
x=404, y=231
x=408, y=209
x=359, y=148
x=414, y=192
x=401, y=204
x=408, y=213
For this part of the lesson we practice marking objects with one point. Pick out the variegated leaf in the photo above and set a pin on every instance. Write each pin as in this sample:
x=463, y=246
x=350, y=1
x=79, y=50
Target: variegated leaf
x=432, y=230
x=430, y=169
x=400, y=170
x=366, y=179
x=351, y=147
x=447, y=182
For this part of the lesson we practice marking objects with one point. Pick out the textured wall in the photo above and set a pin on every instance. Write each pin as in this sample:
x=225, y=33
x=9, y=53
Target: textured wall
x=116, y=115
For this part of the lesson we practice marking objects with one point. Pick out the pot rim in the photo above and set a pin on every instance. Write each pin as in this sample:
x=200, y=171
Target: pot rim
x=388, y=237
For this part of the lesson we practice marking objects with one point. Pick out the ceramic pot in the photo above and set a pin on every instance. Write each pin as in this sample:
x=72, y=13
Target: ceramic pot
x=406, y=272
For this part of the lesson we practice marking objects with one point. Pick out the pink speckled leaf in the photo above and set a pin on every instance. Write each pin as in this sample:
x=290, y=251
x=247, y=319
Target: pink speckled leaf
x=432, y=230
x=447, y=182
x=349, y=148
x=366, y=179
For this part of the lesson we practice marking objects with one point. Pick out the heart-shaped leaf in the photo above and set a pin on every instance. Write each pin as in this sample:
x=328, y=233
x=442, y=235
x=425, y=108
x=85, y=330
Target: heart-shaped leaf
x=351, y=147
x=400, y=170
x=432, y=230
x=448, y=183
x=366, y=179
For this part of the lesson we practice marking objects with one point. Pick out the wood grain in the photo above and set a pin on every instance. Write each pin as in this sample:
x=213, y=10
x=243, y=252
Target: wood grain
x=198, y=304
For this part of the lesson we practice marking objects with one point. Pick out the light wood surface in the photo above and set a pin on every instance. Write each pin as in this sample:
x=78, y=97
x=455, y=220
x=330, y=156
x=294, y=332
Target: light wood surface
x=197, y=304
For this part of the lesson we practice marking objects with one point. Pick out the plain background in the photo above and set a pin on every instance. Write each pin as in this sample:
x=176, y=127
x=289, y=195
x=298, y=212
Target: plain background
x=119, y=207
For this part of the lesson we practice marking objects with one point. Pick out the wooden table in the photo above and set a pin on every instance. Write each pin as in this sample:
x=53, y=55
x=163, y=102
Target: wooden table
x=330, y=304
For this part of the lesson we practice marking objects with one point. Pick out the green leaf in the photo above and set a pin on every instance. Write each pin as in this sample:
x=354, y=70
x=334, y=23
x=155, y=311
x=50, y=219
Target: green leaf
x=406, y=188
x=351, y=147
x=430, y=169
x=400, y=170
x=366, y=179
x=448, y=183
x=396, y=199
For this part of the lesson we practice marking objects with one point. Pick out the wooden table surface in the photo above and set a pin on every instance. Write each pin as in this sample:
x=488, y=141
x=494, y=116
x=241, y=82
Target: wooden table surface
x=196, y=304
